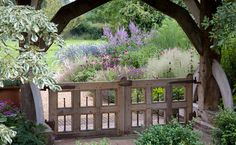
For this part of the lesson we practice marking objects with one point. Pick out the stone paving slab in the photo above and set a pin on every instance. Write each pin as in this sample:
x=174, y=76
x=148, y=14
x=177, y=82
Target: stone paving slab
x=124, y=140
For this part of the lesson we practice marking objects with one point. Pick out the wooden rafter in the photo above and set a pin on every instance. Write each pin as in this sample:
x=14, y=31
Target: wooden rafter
x=73, y=10
x=184, y=19
x=194, y=8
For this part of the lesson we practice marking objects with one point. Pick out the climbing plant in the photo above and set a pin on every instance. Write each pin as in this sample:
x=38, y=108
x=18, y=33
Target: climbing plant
x=23, y=30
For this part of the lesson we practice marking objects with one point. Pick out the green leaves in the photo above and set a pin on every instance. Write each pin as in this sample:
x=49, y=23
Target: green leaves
x=225, y=131
x=170, y=134
x=224, y=24
x=34, y=38
x=28, y=132
x=26, y=25
x=6, y=135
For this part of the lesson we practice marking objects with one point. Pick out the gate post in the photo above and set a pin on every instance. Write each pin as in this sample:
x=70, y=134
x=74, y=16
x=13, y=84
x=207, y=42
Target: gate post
x=52, y=97
x=125, y=104
x=121, y=112
x=148, y=113
x=168, y=94
x=189, y=98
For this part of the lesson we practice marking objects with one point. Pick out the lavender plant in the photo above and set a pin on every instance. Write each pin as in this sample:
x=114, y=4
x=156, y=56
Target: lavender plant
x=72, y=53
x=121, y=43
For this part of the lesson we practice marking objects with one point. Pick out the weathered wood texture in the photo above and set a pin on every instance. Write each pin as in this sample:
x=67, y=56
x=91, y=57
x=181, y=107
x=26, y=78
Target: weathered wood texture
x=83, y=111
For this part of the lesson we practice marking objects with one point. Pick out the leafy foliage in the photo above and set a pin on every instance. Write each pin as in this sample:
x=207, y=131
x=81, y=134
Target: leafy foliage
x=6, y=134
x=170, y=134
x=87, y=30
x=158, y=94
x=142, y=14
x=15, y=129
x=25, y=62
x=224, y=24
x=228, y=61
x=125, y=11
x=169, y=35
x=27, y=131
x=83, y=75
x=224, y=34
x=225, y=123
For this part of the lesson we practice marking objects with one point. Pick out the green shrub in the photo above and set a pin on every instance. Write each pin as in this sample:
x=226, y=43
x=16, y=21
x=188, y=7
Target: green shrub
x=28, y=133
x=6, y=134
x=87, y=30
x=170, y=134
x=170, y=35
x=82, y=70
x=228, y=61
x=225, y=131
x=135, y=59
x=158, y=94
x=16, y=129
x=83, y=75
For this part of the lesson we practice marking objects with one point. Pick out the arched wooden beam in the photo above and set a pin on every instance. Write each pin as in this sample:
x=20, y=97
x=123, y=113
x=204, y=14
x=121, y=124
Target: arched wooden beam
x=73, y=10
x=194, y=8
x=182, y=16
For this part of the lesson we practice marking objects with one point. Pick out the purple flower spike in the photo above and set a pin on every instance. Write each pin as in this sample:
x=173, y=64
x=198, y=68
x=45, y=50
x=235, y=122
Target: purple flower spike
x=133, y=29
x=107, y=32
x=122, y=36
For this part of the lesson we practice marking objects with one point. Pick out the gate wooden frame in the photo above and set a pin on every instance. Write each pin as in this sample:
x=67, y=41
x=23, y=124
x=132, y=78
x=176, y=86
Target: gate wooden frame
x=123, y=108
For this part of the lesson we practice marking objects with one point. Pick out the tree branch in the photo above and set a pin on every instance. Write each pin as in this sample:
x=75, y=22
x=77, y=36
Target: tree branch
x=184, y=19
x=73, y=10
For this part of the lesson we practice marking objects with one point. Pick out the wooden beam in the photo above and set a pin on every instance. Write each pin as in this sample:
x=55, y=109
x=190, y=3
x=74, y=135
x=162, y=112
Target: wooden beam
x=23, y=2
x=194, y=8
x=184, y=19
x=36, y=4
x=73, y=10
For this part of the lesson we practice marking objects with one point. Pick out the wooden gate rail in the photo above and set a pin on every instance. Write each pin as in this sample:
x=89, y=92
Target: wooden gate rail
x=119, y=107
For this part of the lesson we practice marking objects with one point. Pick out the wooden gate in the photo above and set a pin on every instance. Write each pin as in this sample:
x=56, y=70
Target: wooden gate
x=119, y=107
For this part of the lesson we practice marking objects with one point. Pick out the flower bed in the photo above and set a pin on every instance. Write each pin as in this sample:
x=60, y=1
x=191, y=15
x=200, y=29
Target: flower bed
x=16, y=129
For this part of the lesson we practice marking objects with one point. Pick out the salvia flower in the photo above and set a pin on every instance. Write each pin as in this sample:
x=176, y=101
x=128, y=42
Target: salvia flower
x=121, y=36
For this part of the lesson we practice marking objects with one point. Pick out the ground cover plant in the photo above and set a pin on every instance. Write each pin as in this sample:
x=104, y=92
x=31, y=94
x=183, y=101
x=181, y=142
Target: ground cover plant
x=170, y=134
x=16, y=129
x=225, y=127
